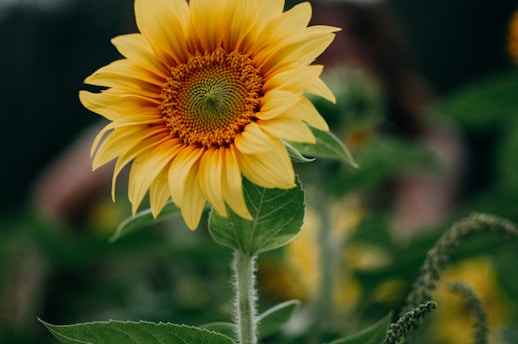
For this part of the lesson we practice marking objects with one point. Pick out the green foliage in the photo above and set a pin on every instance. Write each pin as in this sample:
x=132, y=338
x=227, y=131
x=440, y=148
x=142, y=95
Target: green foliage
x=484, y=104
x=272, y=319
x=375, y=334
x=295, y=155
x=382, y=158
x=327, y=146
x=143, y=219
x=115, y=332
x=277, y=218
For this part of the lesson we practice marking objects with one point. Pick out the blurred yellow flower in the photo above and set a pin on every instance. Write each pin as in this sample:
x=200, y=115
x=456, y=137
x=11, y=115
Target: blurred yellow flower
x=512, y=43
x=205, y=94
x=451, y=322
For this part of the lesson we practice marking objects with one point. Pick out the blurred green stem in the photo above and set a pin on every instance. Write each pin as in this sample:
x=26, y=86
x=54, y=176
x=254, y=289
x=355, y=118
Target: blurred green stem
x=326, y=263
x=245, y=294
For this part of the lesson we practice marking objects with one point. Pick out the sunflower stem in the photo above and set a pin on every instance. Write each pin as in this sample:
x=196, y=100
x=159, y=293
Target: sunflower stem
x=245, y=297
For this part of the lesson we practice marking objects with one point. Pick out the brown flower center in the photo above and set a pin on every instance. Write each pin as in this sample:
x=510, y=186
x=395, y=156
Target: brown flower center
x=211, y=98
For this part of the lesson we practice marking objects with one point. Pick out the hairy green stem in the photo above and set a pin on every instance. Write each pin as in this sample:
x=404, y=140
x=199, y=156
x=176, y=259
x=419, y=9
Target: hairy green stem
x=245, y=297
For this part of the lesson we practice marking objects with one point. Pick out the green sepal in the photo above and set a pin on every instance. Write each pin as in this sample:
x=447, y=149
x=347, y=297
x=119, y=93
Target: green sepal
x=277, y=214
x=143, y=219
x=116, y=332
x=375, y=334
x=327, y=146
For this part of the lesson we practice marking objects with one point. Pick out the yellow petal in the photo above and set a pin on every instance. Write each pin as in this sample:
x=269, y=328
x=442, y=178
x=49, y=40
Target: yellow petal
x=137, y=49
x=179, y=171
x=265, y=14
x=100, y=103
x=125, y=85
x=125, y=69
x=107, y=147
x=296, y=80
x=193, y=201
x=159, y=193
x=272, y=169
x=288, y=128
x=283, y=25
x=319, y=88
x=164, y=25
x=125, y=158
x=299, y=50
x=241, y=19
x=232, y=183
x=306, y=111
x=253, y=140
x=206, y=22
x=210, y=176
x=297, y=17
x=145, y=168
x=275, y=102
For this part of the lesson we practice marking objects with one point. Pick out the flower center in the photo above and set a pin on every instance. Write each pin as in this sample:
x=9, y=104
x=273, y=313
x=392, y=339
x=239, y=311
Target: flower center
x=211, y=98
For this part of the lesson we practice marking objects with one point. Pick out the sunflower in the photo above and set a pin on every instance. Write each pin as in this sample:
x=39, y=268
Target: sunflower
x=206, y=94
x=512, y=42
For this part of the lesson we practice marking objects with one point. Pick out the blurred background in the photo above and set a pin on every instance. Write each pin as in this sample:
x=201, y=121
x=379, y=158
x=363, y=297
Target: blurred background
x=427, y=102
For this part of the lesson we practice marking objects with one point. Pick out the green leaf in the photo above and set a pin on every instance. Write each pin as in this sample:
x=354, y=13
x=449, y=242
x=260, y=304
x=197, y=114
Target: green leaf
x=116, y=332
x=327, y=146
x=295, y=154
x=226, y=328
x=277, y=214
x=271, y=320
x=484, y=104
x=143, y=219
x=375, y=334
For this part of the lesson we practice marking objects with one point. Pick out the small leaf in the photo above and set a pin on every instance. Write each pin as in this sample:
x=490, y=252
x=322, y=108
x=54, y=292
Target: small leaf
x=116, y=332
x=375, y=334
x=295, y=154
x=327, y=146
x=277, y=214
x=142, y=219
x=271, y=320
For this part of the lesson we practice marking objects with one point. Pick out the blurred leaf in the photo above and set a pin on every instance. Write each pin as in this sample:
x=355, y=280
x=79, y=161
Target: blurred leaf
x=115, y=332
x=277, y=218
x=484, y=103
x=381, y=159
x=327, y=146
x=271, y=320
x=375, y=334
x=507, y=157
x=143, y=219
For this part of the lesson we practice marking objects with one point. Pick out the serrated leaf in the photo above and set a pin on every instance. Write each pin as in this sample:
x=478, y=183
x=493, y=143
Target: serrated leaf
x=277, y=214
x=272, y=320
x=143, y=219
x=327, y=146
x=226, y=328
x=116, y=332
x=375, y=334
